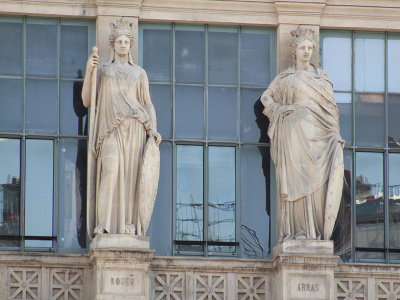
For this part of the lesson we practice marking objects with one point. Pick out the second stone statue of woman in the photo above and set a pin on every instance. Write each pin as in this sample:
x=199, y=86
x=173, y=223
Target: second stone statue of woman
x=306, y=145
x=124, y=120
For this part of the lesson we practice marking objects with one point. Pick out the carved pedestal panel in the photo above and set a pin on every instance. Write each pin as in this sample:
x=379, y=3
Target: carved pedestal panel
x=305, y=271
x=120, y=273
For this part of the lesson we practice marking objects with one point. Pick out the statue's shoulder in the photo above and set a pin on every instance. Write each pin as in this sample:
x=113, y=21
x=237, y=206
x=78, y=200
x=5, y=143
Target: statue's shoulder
x=321, y=73
x=287, y=72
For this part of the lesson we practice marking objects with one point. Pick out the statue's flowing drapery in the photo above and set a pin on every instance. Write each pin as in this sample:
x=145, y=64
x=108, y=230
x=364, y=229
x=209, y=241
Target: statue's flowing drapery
x=118, y=142
x=306, y=148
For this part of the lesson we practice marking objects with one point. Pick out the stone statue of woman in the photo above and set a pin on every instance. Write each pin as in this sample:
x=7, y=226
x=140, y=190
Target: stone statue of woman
x=123, y=122
x=306, y=145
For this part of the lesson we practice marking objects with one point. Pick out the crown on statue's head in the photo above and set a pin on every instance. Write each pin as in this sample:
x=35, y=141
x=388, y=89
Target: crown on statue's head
x=121, y=27
x=302, y=32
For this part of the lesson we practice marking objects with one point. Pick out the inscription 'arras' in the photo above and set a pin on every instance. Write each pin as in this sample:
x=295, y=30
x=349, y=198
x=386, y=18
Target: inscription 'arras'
x=308, y=287
x=122, y=281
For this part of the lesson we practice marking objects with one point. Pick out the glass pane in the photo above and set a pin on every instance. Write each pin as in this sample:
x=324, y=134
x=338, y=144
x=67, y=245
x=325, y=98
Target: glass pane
x=255, y=202
x=254, y=124
x=38, y=243
x=222, y=57
x=370, y=120
x=369, y=200
x=370, y=255
x=393, y=64
x=338, y=49
x=394, y=200
x=41, y=50
x=11, y=49
x=189, y=112
x=73, y=113
x=10, y=190
x=11, y=105
x=189, y=193
x=157, y=60
x=159, y=229
x=221, y=249
x=394, y=120
x=73, y=50
x=161, y=98
x=189, y=248
x=342, y=232
x=369, y=62
x=39, y=188
x=255, y=59
x=41, y=106
x=343, y=101
x=221, y=194
x=72, y=194
x=189, y=56
x=222, y=100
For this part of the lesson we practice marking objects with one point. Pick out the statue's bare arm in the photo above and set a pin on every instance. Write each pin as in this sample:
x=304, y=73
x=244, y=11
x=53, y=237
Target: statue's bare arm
x=92, y=62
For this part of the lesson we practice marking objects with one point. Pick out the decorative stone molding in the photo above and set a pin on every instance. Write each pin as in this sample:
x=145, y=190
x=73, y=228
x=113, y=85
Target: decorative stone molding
x=24, y=283
x=210, y=286
x=169, y=286
x=66, y=284
x=251, y=287
x=348, y=289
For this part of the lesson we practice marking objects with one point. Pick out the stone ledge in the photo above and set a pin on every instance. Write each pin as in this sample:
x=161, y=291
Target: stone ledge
x=307, y=247
x=119, y=242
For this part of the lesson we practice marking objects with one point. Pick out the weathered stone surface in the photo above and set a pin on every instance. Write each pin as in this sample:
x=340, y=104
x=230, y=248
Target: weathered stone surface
x=119, y=241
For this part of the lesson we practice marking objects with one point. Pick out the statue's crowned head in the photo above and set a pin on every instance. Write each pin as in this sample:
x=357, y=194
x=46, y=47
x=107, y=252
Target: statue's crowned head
x=120, y=28
x=299, y=35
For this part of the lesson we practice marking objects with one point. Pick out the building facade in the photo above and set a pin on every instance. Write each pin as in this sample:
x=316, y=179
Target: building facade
x=214, y=223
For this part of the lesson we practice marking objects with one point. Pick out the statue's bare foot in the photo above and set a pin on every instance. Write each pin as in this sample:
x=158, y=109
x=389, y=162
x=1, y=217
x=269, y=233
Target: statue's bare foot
x=99, y=229
x=130, y=229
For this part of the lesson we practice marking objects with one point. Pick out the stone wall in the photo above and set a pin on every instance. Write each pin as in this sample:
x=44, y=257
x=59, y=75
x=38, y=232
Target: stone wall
x=52, y=276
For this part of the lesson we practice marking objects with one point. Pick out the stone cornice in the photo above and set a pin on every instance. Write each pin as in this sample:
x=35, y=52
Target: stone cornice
x=296, y=11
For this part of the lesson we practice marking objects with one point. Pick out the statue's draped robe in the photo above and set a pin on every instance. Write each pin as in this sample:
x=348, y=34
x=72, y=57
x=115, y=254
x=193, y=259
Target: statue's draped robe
x=306, y=148
x=118, y=142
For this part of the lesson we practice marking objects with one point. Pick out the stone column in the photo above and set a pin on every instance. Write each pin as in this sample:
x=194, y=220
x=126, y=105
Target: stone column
x=120, y=267
x=305, y=270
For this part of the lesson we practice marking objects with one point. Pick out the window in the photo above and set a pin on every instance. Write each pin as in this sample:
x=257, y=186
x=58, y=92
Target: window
x=43, y=134
x=367, y=91
x=205, y=82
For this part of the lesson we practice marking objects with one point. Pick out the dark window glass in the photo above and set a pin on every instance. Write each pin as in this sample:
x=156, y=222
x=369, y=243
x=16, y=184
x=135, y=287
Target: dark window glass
x=222, y=51
x=11, y=99
x=255, y=59
x=189, y=56
x=11, y=49
x=394, y=200
x=254, y=124
x=161, y=97
x=157, y=61
x=255, y=205
x=189, y=112
x=41, y=106
x=73, y=50
x=41, y=50
x=222, y=101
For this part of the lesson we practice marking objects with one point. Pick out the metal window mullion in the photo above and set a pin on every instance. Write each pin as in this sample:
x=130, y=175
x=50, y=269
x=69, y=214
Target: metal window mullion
x=386, y=158
x=56, y=145
x=174, y=159
x=353, y=150
x=238, y=147
x=23, y=143
x=205, y=147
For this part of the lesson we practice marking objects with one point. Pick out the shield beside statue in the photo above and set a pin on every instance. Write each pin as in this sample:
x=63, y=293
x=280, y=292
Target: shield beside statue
x=148, y=185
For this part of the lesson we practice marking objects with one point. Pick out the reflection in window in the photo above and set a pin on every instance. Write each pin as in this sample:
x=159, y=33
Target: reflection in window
x=221, y=194
x=189, y=200
x=369, y=200
x=394, y=200
x=10, y=188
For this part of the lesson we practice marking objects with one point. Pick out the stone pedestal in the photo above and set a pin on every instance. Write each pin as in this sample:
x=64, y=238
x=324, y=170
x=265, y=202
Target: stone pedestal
x=120, y=267
x=305, y=270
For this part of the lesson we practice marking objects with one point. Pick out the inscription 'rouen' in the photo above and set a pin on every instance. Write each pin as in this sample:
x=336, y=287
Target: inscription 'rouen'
x=127, y=281
x=308, y=287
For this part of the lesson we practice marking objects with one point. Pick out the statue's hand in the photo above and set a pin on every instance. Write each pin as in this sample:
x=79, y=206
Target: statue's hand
x=156, y=135
x=92, y=62
x=289, y=110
